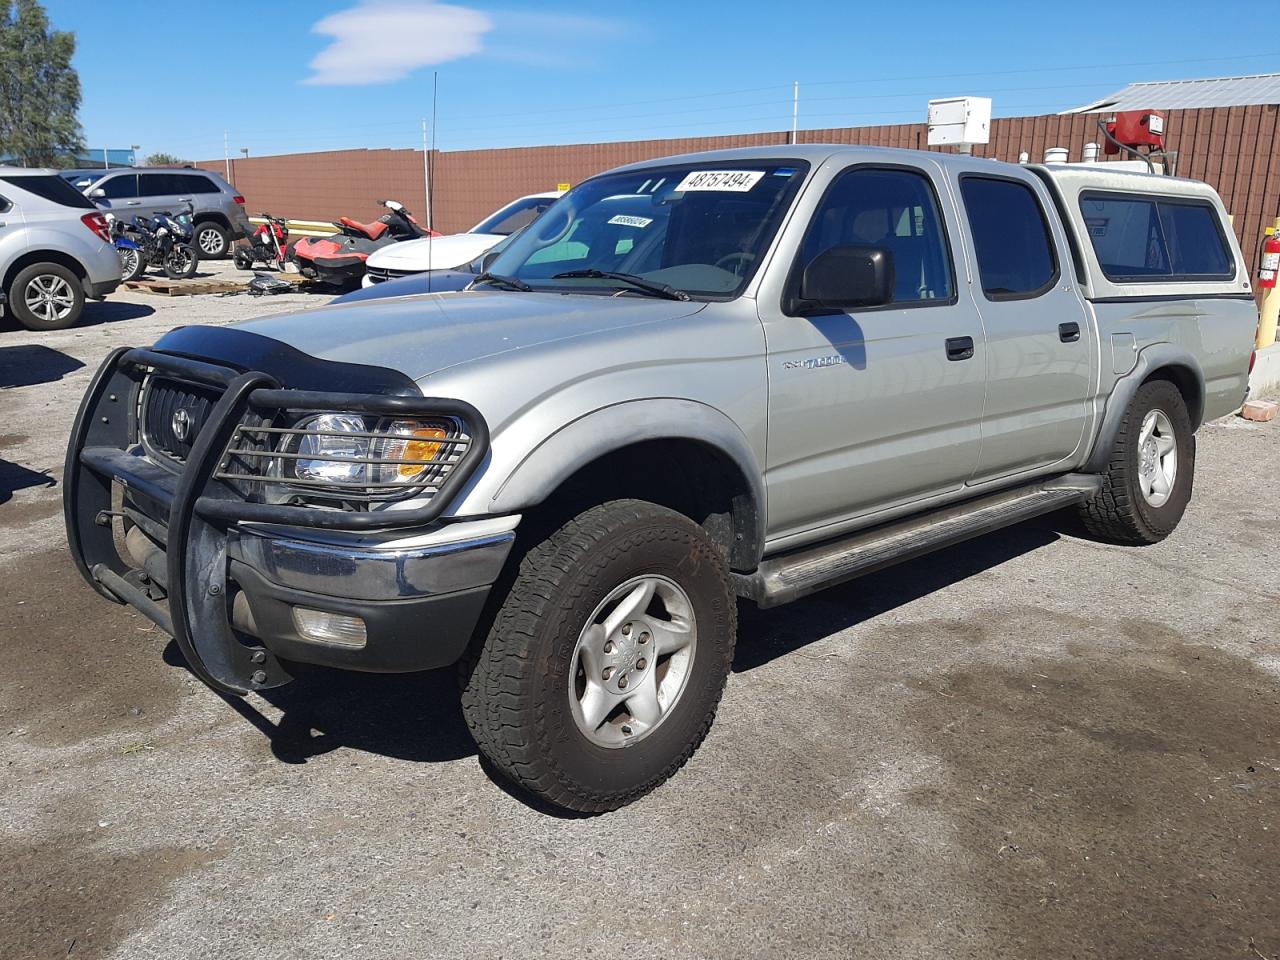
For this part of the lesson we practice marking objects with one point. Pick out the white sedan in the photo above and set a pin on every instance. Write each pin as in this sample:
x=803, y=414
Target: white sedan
x=443, y=253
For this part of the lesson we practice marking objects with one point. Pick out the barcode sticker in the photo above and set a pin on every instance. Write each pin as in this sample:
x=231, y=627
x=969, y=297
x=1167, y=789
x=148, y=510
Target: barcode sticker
x=731, y=181
x=624, y=220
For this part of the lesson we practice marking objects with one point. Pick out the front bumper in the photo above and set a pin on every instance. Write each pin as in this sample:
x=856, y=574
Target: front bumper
x=223, y=575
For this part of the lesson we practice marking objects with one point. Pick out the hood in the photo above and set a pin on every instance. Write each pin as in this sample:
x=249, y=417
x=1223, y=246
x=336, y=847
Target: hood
x=423, y=335
x=433, y=253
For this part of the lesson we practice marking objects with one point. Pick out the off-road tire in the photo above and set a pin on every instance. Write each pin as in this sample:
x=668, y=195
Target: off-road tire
x=515, y=684
x=1119, y=512
x=17, y=303
x=242, y=258
x=224, y=240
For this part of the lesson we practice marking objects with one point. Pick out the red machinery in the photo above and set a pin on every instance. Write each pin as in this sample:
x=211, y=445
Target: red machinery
x=1136, y=129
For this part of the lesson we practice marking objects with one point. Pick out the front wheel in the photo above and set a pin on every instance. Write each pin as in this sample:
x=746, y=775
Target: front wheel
x=180, y=262
x=605, y=663
x=1147, y=484
x=242, y=258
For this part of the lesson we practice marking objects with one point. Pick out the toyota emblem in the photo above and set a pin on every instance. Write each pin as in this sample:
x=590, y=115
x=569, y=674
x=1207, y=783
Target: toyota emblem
x=181, y=425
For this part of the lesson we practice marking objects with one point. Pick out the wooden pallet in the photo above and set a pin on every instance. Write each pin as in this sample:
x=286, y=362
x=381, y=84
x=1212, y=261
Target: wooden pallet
x=186, y=288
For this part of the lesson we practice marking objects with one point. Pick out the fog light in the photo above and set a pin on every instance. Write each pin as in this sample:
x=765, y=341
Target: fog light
x=328, y=627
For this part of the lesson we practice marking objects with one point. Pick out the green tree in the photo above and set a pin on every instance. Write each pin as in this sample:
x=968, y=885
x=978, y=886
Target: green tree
x=163, y=159
x=39, y=89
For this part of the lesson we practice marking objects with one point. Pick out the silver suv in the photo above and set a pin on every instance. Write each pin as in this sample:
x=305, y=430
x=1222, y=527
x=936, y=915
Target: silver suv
x=219, y=216
x=734, y=376
x=55, y=250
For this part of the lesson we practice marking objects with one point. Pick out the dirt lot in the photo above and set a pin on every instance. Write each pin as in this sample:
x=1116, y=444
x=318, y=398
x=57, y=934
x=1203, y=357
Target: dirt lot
x=1031, y=746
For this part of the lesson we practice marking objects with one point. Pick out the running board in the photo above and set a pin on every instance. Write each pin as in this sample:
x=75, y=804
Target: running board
x=797, y=574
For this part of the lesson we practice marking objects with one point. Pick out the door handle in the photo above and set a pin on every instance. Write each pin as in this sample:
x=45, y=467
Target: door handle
x=1068, y=332
x=133, y=203
x=959, y=348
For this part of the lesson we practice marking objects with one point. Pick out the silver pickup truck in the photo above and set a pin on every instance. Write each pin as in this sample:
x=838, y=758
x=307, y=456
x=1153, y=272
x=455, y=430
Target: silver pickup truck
x=743, y=374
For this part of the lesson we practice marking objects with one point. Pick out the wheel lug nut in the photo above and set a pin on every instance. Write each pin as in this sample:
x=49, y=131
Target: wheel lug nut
x=644, y=638
x=641, y=663
x=626, y=728
x=608, y=672
x=608, y=647
x=626, y=629
x=622, y=683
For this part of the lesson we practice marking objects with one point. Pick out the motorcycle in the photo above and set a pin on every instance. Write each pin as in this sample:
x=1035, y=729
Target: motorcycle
x=339, y=259
x=165, y=240
x=127, y=249
x=267, y=244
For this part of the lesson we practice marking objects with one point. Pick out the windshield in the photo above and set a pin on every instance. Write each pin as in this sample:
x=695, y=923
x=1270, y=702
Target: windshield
x=700, y=230
x=514, y=216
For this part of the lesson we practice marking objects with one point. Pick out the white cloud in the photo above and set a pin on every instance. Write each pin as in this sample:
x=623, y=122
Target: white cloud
x=380, y=41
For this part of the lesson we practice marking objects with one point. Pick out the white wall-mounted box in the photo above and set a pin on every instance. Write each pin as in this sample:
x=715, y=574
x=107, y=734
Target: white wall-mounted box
x=954, y=120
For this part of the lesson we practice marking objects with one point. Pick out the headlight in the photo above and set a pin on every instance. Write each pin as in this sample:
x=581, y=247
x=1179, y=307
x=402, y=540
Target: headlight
x=348, y=450
x=332, y=454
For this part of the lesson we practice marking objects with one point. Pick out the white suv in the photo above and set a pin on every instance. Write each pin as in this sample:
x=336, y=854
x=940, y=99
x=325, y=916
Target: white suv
x=55, y=249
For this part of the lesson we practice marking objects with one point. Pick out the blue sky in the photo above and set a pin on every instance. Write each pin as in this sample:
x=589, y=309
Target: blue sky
x=283, y=77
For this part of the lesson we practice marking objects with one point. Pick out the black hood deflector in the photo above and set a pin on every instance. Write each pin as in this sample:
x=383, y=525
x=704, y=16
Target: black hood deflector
x=291, y=367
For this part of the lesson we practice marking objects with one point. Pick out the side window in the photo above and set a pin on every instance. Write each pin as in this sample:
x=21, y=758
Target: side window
x=1194, y=242
x=164, y=184
x=893, y=209
x=123, y=187
x=1155, y=239
x=1010, y=237
x=194, y=183
x=5, y=205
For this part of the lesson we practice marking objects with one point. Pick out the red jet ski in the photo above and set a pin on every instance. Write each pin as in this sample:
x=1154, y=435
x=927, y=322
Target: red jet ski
x=339, y=259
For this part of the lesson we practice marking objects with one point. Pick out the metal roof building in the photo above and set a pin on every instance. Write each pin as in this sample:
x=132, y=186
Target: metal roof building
x=1261, y=88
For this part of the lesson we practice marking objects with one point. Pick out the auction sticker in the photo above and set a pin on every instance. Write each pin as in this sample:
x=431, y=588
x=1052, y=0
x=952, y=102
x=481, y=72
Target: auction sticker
x=625, y=220
x=729, y=181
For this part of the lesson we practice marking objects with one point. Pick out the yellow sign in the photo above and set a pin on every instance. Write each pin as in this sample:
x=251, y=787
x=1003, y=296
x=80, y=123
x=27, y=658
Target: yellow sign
x=563, y=186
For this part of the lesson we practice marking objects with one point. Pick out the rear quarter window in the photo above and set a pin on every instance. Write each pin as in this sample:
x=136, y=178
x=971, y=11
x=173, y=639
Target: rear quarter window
x=51, y=187
x=1156, y=239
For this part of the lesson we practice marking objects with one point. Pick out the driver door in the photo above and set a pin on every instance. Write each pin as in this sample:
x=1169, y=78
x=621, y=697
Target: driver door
x=878, y=407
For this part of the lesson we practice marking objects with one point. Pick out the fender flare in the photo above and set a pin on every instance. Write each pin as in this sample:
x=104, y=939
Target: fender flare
x=1155, y=357
x=604, y=430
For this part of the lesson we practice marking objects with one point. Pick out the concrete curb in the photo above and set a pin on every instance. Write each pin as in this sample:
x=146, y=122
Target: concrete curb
x=1266, y=371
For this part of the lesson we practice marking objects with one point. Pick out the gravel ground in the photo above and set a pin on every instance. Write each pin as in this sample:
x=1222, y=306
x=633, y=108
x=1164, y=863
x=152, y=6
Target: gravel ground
x=1031, y=745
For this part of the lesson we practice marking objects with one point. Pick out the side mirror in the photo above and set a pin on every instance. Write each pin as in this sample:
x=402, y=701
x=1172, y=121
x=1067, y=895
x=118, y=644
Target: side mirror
x=848, y=276
x=97, y=193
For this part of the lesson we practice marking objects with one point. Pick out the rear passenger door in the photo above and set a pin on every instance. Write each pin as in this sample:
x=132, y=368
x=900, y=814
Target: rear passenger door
x=163, y=192
x=1040, y=351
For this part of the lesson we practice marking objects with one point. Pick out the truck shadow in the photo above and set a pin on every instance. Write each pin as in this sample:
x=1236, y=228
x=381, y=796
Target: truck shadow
x=766, y=635
x=417, y=717
x=14, y=477
x=30, y=364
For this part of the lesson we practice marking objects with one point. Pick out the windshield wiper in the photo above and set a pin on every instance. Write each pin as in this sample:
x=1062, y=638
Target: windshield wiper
x=498, y=280
x=639, y=283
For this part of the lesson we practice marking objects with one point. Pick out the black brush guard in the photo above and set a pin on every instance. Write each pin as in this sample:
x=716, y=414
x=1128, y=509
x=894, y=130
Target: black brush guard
x=196, y=508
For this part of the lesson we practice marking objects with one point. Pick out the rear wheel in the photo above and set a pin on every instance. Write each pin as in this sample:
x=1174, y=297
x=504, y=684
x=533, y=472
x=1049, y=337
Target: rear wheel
x=212, y=240
x=131, y=263
x=242, y=258
x=180, y=262
x=46, y=296
x=603, y=668
x=1147, y=484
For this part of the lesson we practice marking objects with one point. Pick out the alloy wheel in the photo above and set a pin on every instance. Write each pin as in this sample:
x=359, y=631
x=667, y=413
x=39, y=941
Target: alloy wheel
x=632, y=661
x=49, y=298
x=1157, y=458
x=210, y=242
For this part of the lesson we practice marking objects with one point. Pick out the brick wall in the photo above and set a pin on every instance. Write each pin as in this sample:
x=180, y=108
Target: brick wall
x=1232, y=148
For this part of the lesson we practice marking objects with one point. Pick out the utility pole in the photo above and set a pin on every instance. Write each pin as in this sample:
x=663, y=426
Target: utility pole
x=226, y=153
x=795, y=109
